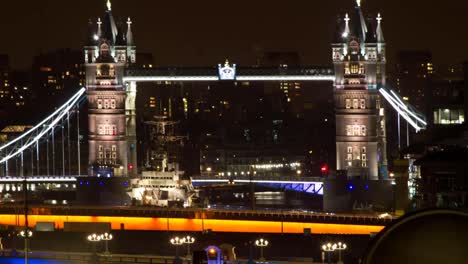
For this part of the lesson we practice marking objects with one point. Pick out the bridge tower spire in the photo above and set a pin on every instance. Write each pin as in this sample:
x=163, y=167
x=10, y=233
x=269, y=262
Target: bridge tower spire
x=111, y=155
x=360, y=117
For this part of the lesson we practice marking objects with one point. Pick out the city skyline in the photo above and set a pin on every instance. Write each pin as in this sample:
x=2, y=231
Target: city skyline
x=206, y=33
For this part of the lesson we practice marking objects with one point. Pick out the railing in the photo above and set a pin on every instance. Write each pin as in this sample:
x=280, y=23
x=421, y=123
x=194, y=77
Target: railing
x=258, y=179
x=204, y=213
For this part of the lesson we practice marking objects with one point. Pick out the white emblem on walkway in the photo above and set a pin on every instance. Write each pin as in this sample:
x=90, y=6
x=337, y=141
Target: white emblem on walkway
x=227, y=72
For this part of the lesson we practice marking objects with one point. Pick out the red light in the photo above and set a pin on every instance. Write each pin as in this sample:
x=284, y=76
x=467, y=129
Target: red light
x=324, y=169
x=130, y=167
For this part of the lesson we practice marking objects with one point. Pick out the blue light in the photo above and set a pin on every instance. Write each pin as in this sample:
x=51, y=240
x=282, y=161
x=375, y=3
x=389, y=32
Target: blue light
x=125, y=183
x=328, y=186
x=101, y=183
x=350, y=187
x=367, y=187
x=87, y=183
x=81, y=183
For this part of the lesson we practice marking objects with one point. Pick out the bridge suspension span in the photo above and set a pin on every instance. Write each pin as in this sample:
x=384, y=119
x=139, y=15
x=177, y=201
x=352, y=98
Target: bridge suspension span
x=29, y=143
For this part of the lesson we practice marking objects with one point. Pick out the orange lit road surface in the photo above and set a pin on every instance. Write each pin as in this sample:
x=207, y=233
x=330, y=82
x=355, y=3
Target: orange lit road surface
x=184, y=224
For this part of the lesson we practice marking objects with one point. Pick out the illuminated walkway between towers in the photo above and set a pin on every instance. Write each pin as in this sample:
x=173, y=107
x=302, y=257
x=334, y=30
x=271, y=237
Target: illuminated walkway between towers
x=198, y=220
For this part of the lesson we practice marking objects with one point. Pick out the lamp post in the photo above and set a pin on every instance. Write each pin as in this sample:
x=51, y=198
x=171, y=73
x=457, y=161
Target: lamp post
x=176, y=241
x=340, y=247
x=106, y=237
x=261, y=243
x=188, y=240
x=94, y=239
x=329, y=247
x=26, y=234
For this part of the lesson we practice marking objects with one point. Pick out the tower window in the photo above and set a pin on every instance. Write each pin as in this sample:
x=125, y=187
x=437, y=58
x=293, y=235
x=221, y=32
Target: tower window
x=363, y=130
x=355, y=103
x=348, y=103
x=363, y=103
x=99, y=104
x=112, y=104
x=354, y=68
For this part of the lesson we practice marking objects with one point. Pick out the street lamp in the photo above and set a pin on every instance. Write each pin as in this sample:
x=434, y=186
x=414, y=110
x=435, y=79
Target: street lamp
x=106, y=237
x=94, y=239
x=261, y=243
x=188, y=240
x=329, y=247
x=339, y=248
x=176, y=241
x=26, y=234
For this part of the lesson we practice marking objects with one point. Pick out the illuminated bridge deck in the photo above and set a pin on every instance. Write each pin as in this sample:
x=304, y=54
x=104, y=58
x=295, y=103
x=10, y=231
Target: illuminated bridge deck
x=209, y=74
x=163, y=219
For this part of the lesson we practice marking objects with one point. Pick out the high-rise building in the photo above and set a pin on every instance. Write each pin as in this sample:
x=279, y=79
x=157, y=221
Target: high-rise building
x=414, y=69
x=112, y=140
x=359, y=60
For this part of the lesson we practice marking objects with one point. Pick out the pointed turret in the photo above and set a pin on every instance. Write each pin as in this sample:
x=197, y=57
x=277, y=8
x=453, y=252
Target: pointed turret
x=359, y=23
x=379, y=32
x=109, y=28
x=130, y=41
x=99, y=30
x=120, y=38
x=371, y=36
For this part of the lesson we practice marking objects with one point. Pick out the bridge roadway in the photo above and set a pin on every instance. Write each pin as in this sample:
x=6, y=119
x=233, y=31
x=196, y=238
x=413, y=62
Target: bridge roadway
x=211, y=74
x=197, y=220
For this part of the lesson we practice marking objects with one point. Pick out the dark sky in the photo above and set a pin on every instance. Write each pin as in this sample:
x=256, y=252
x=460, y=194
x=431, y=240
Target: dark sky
x=205, y=32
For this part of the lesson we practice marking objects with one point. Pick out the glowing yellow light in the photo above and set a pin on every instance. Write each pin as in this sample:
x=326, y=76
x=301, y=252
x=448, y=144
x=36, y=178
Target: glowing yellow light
x=197, y=224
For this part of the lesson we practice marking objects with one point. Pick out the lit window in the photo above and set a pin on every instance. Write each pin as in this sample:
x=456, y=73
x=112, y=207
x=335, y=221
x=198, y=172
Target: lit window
x=354, y=68
x=349, y=130
x=114, y=148
x=355, y=103
x=363, y=130
x=101, y=131
x=106, y=104
x=356, y=130
x=363, y=103
x=99, y=104
x=348, y=103
x=364, y=150
x=112, y=105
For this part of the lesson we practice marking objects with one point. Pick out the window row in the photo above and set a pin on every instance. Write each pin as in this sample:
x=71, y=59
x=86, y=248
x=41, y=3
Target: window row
x=354, y=69
x=355, y=103
x=356, y=130
x=106, y=155
x=107, y=130
x=106, y=104
x=356, y=155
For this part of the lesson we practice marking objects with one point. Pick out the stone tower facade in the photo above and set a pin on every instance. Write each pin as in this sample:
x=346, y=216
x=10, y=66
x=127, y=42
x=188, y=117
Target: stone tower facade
x=359, y=62
x=108, y=51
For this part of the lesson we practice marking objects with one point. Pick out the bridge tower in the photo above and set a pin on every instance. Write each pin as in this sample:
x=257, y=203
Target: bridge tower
x=108, y=51
x=359, y=62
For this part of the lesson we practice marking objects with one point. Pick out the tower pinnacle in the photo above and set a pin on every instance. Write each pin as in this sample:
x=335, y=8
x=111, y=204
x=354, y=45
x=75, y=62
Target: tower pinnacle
x=358, y=2
x=109, y=5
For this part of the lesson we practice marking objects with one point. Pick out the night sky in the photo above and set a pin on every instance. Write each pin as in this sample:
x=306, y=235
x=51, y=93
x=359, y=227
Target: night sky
x=205, y=32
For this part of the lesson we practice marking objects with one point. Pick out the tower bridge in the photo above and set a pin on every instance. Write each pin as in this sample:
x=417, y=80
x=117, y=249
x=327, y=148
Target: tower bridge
x=358, y=76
